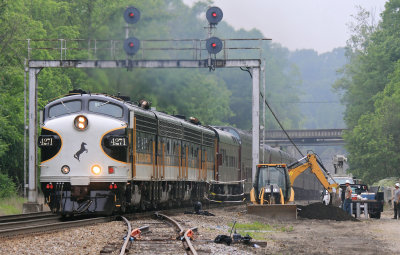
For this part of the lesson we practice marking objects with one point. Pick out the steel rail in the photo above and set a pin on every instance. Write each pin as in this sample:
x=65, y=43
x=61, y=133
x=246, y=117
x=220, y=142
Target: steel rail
x=24, y=216
x=181, y=231
x=128, y=235
x=29, y=222
x=52, y=226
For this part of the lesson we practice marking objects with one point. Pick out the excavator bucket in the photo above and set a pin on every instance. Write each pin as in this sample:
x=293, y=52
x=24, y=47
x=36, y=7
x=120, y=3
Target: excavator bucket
x=274, y=211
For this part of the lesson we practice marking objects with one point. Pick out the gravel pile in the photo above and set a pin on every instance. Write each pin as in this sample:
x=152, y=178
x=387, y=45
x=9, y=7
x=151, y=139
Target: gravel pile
x=323, y=212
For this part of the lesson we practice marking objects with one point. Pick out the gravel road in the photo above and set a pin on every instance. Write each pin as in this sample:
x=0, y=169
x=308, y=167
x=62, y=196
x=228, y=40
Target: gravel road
x=302, y=236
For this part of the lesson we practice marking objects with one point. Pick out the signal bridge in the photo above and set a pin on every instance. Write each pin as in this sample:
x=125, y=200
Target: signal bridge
x=133, y=53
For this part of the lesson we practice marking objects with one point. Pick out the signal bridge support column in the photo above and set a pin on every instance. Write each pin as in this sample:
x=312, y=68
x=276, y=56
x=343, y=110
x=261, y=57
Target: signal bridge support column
x=35, y=66
x=255, y=121
x=32, y=205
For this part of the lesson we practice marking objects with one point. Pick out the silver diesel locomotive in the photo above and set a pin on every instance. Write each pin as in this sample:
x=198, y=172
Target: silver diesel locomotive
x=101, y=154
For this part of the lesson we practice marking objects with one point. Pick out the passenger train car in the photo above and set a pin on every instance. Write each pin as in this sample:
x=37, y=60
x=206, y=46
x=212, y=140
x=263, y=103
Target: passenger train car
x=101, y=154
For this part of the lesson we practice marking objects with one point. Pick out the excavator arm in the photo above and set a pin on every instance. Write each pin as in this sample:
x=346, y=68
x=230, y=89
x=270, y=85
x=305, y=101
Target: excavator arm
x=312, y=163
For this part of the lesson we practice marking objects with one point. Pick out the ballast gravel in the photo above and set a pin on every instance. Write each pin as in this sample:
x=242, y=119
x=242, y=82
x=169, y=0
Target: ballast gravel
x=301, y=236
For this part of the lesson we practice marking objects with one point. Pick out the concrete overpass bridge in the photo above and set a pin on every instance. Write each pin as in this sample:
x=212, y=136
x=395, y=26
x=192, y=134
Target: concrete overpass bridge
x=314, y=137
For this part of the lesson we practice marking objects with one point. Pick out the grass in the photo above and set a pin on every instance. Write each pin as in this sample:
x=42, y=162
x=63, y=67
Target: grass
x=258, y=230
x=11, y=205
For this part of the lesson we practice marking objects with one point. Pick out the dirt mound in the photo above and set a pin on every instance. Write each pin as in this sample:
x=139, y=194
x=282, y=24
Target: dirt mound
x=323, y=212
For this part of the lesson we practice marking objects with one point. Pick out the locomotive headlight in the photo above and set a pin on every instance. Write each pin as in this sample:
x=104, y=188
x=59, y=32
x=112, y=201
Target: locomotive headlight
x=81, y=122
x=96, y=169
x=65, y=169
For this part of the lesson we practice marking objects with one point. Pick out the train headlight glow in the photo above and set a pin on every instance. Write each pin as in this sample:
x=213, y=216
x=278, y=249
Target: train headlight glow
x=96, y=169
x=81, y=122
x=65, y=169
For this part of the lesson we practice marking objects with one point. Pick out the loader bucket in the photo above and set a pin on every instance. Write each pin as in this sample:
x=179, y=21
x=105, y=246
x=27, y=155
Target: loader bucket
x=276, y=211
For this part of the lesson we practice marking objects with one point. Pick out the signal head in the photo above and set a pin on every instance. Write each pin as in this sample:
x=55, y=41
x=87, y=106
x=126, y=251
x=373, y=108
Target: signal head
x=131, y=45
x=214, y=45
x=131, y=15
x=214, y=15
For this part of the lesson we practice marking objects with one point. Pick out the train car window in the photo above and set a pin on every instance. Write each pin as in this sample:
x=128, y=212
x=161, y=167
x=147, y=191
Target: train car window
x=65, y=108
x=105, y=107
x=168, y=146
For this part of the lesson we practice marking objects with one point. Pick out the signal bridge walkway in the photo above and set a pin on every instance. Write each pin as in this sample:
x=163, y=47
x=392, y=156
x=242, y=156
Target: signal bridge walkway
x=315, y=137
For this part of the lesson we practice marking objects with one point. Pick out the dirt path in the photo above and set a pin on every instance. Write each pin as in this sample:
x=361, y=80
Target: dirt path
x=308, y=236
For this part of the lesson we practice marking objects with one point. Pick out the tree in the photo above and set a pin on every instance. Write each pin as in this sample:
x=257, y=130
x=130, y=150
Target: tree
x=371, y=80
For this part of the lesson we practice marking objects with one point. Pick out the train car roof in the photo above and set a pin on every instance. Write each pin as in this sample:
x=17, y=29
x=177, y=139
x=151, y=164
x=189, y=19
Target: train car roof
x=76, y=96
x=241, y=135
x=151, y=113
x=226, y=137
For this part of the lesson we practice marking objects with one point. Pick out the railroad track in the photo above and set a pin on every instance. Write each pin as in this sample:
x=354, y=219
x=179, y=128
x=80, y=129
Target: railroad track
x=41, y=222
x=25, y=216
x=159, y=234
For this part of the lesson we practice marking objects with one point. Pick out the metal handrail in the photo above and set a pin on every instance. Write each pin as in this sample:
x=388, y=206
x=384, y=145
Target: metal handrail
x=93, y=47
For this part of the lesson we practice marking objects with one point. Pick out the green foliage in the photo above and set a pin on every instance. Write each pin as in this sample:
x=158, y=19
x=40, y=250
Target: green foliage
x=7, y=186
x=11, y=205
x=259, y=226
x=217, y=98
x=372, y=84
x=258, y=230
x=387, y=182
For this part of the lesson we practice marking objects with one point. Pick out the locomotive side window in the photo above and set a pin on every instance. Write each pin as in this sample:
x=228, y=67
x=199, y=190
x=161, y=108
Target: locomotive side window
x=105, y=107
x=65, y=108
x=144, y=148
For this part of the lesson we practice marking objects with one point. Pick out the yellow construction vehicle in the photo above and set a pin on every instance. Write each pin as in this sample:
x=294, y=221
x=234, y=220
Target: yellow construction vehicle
x=272, y=194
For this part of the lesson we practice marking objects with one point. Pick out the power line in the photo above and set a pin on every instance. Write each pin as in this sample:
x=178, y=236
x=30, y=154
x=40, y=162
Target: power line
x=311, y=102
x=279, y=123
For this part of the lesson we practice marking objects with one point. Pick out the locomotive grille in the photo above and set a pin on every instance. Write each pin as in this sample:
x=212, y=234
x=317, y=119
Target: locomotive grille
x=208, y=140
x=192, y=135
x=146, y=124
x=170, y=130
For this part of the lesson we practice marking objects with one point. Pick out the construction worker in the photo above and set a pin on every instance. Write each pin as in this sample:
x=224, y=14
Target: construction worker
x=347, y=197
x=396, y=200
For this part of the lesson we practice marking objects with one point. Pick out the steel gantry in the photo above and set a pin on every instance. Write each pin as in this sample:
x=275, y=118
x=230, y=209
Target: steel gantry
x=35, y=66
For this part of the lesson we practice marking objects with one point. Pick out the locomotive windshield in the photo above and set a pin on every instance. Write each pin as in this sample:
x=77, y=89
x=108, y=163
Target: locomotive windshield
x=65, y=108
x=105, y=107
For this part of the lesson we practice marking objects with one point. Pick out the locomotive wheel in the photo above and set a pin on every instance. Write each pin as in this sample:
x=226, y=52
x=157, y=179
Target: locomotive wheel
x=154, y=205
x=142, y=205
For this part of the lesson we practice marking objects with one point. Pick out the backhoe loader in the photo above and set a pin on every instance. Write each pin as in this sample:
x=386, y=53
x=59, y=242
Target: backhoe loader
x=272, y=194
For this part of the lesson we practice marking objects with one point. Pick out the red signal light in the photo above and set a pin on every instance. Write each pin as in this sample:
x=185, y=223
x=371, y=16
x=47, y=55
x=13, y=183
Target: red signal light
x=48, y=186
x=115, y=186
x=51, y=186
x=131, y=44
x=131, y=14
x=110, y=187
x=214, y=14
x=213, y=45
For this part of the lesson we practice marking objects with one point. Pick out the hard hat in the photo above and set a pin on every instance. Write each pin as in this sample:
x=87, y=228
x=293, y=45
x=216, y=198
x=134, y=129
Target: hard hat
x=397, y=184
x=347, y=181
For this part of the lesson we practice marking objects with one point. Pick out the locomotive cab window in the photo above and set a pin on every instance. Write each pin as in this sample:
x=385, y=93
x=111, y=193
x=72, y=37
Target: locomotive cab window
x=105, y=107
x=65, y=108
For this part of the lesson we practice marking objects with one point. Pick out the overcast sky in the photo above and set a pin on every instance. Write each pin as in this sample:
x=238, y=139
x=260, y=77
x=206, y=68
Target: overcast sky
x=298, y=24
